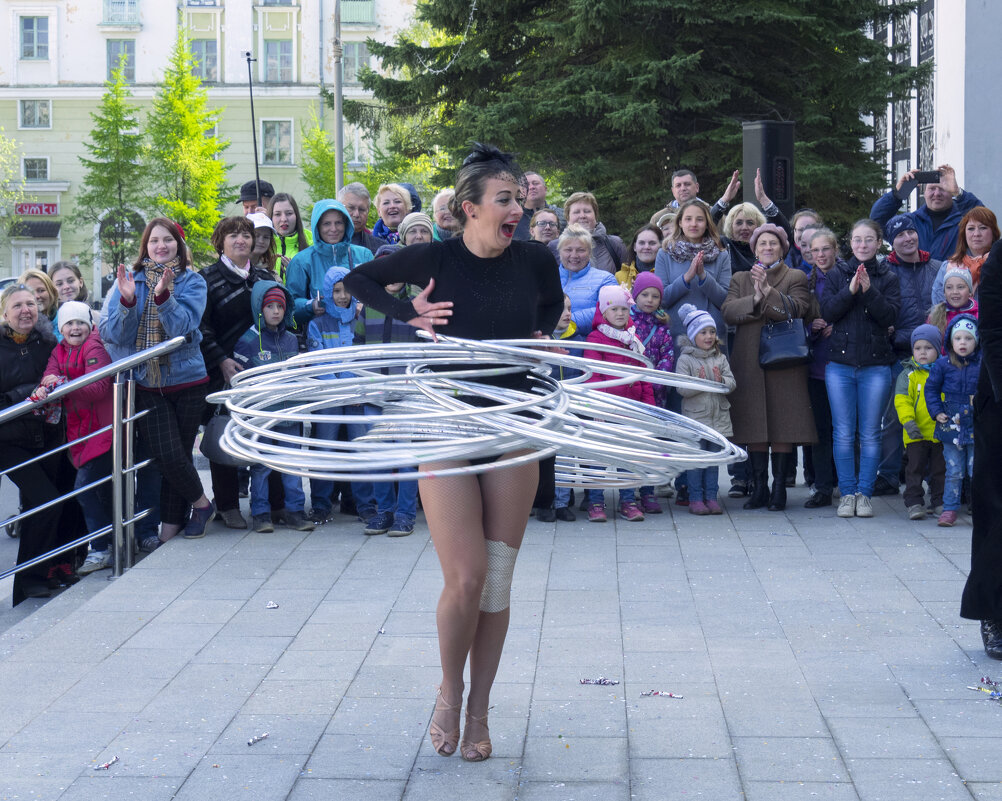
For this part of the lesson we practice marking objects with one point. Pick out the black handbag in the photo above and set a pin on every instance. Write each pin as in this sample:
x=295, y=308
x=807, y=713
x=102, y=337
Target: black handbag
x=783, y=343
x=211, y=435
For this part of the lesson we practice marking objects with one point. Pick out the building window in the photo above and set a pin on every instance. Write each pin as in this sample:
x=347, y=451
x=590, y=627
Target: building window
x=36, y=114
x=206, y=57
x=35, y=38
x=116, y=49
x=35, y=169
x=278, y=60
x=276, y=142
x=356, y=56
x=279, y=2
x=121, y=12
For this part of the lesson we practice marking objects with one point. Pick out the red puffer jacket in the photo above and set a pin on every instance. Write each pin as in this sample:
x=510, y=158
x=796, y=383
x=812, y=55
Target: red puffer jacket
x=87, y=409
x=639, y=390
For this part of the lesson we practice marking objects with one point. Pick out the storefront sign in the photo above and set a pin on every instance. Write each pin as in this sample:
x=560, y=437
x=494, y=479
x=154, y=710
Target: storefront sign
x=37, y=209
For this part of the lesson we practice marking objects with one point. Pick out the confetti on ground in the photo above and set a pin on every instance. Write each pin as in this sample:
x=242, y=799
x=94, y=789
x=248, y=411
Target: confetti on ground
x=661, y=693
x=257, y=738
x=602, y=680
x=271, y=605
x=107, y=764
x=989, y=682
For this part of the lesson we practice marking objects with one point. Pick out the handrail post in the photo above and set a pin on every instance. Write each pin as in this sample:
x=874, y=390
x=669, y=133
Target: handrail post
x=129, y=489
x=117, y=429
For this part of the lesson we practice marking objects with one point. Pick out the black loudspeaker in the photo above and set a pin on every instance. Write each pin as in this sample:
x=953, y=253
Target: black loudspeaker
x=768, y=146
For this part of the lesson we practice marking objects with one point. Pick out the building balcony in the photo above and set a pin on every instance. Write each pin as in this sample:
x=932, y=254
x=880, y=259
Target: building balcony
x=358, y=12
x=121, y=13
x=212, y=3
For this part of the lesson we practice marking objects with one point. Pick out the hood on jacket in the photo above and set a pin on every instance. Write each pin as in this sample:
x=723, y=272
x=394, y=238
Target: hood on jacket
x=333, y=276
x=948, y=335
x=319, y=209
x=258, y=291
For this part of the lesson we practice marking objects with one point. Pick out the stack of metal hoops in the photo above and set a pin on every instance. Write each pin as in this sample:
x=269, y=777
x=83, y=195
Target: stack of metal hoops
x=446, y=402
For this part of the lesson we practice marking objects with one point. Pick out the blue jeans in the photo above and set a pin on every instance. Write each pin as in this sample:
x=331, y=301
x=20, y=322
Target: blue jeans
x=561, y=497
x=957, y=461
x=625, y=495
x=96, y=503
x=406, y=494
x=858, y=397
x=367, y=494
x=703, y=483
x=295, y=498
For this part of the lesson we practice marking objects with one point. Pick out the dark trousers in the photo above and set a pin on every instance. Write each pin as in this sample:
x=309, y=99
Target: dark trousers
x=169, y=431
x=821, y=452
x=546, y=488
x=924, y=458
x=225, y=486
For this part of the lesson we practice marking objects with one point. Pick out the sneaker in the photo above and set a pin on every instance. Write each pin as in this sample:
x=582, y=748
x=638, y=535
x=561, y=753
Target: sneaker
x=863, y=506
x=682, y=497
x=547, y=515
x=916, y=512
x=596, y=513
x=847, y=506
x=947, y=519
x=936, y=510
x=96, y=560
x=698, y=508
x=402, y=527
x=231, y=519
x=150, y=544
x=565, y=513
x=263, y=524
x=195, y=529
x=320, y=516
x=884, y=487
x=365, y=513
x=714, y=507
x=650, y=505
x=278, y=517
x=738, y=489
x=628, y=510
x=378, y=523
x=298, y=521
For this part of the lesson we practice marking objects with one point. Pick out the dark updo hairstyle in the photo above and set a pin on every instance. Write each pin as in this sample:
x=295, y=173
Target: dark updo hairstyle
x=144, y=243
x=285, y=197
x=483, y=163
x=227, y=226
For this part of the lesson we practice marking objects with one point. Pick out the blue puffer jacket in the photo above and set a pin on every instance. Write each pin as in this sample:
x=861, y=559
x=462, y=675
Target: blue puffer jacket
x=582, y=288
x=940, y=242
x=260, y=345
x=335, y=328
x=916, y=282
x=951, y=389
x=180, y=316
x=307, y=269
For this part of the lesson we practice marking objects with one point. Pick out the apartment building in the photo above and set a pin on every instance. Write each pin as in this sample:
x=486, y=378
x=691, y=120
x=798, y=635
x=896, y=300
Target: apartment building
x=61, y=52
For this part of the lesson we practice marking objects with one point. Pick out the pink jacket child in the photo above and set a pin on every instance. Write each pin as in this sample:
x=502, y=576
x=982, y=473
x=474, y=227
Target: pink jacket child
x=611, y=326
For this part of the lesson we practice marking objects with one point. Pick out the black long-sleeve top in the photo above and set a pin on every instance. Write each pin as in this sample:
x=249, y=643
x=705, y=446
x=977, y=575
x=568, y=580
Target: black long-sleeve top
x=506, y=297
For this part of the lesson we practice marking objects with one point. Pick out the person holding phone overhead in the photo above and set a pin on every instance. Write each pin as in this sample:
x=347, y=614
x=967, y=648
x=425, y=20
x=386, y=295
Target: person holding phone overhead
x=937, y=220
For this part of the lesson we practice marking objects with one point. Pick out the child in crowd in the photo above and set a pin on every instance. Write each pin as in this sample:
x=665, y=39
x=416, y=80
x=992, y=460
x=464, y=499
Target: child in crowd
x=958, y=289
x=566, y=330
x=611, y=326
x=88, y=409
x=651, y=324
x=270, y=341
x=923, y=454
x=703, y=357
x=334, y=327
x=373, y=327
x=953, y=380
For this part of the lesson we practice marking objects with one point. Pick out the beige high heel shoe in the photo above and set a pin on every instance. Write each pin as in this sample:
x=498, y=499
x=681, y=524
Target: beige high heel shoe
x=444, y=742
x=475, y=751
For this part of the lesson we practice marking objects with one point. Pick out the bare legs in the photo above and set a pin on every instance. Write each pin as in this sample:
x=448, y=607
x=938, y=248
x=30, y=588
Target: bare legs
x=462, y=513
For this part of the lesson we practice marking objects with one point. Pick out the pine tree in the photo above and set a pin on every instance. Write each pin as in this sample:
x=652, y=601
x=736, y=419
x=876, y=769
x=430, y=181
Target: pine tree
x=181, y=155
x=111, y=193
x=614, y=95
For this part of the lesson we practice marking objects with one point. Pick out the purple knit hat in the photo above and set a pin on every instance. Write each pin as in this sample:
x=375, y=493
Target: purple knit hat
x=769, y=228
x=648, y=280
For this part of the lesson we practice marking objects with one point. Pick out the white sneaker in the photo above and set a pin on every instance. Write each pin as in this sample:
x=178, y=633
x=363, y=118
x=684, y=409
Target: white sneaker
x=847, y=506
x=863, y=506
x=96, y=560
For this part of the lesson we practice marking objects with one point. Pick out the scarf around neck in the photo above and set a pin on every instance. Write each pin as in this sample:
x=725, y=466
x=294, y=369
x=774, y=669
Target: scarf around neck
x=684, y=250
x=243, y=272
x=628, y=336
x=151, y=332
x=973, y=264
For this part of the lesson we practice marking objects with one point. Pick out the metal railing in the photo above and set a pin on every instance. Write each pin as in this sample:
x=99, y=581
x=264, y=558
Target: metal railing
x=123, y=514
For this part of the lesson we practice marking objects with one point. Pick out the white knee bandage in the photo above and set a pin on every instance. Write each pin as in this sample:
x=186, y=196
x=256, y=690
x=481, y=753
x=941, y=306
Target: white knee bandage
x=500, y=569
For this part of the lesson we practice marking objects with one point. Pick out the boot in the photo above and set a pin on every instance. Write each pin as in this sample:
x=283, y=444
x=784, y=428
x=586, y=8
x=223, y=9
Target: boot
x=780, y=463
x=759, y=480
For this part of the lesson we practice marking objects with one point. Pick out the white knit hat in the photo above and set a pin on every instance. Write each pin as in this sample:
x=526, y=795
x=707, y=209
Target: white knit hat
x=695, y=320
x=73, y=310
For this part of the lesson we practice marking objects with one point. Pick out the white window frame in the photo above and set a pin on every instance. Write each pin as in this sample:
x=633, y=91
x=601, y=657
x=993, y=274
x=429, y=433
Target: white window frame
x=40, y=14
x=48, y=171
x=201, y=64
x=109, y=67
x=20, y=115
x=292, y=142
x=367, y=63
x=292, y=61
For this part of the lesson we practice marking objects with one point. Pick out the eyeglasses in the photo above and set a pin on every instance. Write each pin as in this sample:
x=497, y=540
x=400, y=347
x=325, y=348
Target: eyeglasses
x=870, y=240
x=545, y=224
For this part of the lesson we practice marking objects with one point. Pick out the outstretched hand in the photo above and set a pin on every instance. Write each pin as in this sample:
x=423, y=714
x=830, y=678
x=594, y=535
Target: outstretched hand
x=731, y=191
x=430, y=314
x=126, y=284
x=164, y=283
x=760, y=195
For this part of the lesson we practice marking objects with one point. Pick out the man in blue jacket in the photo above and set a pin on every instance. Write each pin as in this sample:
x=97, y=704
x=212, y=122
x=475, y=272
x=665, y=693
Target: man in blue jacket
x=936, y=221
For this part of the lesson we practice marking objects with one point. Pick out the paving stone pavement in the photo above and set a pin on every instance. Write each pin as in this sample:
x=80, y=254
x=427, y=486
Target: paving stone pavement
x=817, y=658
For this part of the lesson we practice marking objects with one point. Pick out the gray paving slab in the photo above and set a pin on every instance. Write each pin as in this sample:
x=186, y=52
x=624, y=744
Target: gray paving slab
x=816, y=657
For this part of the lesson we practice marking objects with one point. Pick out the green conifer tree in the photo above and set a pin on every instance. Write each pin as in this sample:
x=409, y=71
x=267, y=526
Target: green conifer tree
x=181, y=154
x=112, y=190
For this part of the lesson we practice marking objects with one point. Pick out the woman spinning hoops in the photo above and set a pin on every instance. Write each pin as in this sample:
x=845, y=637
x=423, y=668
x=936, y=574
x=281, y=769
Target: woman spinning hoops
x=483, y=286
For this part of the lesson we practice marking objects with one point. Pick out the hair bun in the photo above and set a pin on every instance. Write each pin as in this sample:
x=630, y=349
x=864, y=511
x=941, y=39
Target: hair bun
x=483, y=153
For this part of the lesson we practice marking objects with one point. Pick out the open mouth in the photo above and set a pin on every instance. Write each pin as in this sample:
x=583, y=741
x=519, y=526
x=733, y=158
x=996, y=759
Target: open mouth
x=508, y=229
